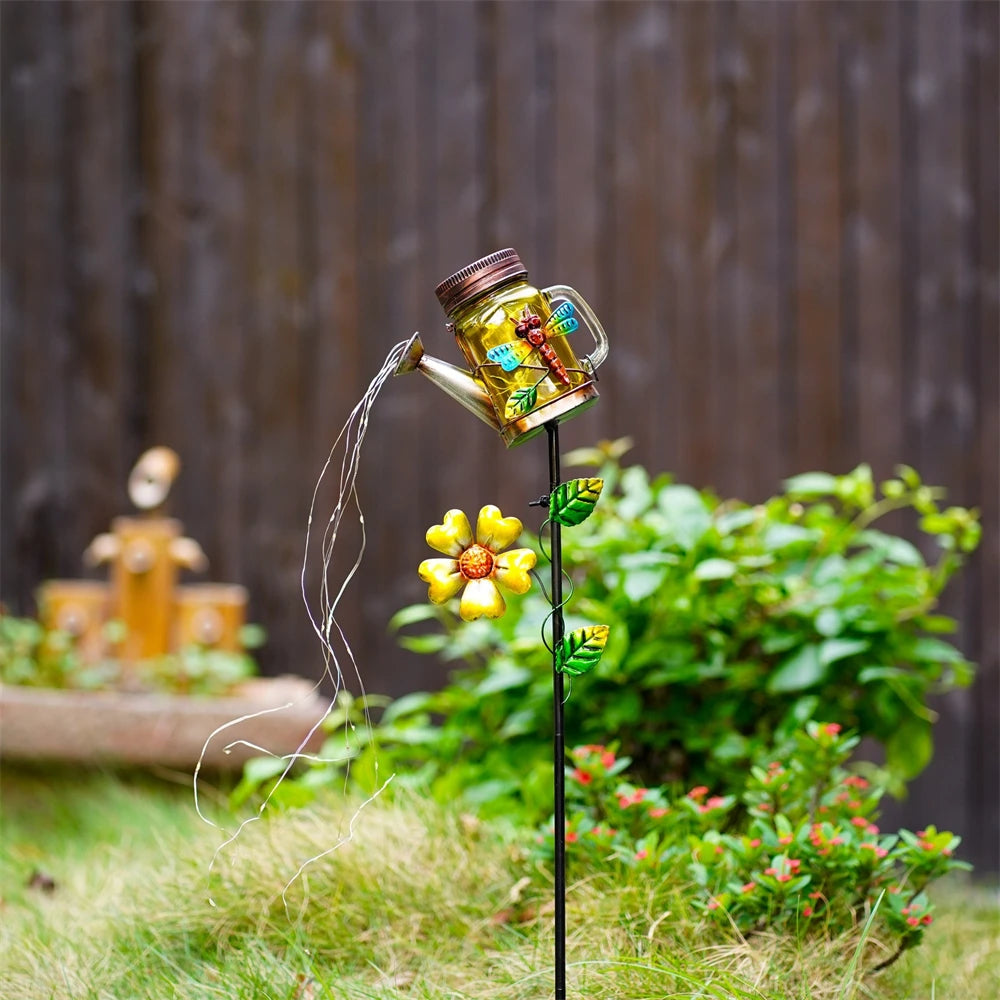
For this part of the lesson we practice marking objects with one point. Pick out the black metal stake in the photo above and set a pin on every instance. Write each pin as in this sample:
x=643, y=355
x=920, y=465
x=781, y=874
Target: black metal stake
x=559, y=740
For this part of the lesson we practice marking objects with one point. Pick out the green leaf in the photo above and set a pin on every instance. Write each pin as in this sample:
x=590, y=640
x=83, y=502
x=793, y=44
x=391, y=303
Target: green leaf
x=839, y=649
x=687, y=516
x=639, y=584
x=893, y=549
x=829, y=622
x=580, y=651
x=503, y=680
x=910, y=747
x=936, y=650
x=812, y=484
x=412, y=614
x=714, y=569
x=408, y=704
x=520, y=401
x=573, y=502
x=779, y=536
x=801, y=670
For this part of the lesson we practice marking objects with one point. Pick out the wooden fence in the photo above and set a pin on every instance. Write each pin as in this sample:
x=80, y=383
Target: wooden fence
x=218, y=217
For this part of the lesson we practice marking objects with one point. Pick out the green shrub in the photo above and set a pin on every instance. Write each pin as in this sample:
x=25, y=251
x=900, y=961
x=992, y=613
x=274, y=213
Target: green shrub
x=731, y=626
x=34, y=656
x=803, y=856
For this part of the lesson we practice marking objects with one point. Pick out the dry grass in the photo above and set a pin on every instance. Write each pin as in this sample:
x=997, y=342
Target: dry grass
x=422, y=903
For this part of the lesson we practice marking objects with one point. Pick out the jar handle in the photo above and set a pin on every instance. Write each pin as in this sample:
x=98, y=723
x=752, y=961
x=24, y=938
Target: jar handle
x=591, y=321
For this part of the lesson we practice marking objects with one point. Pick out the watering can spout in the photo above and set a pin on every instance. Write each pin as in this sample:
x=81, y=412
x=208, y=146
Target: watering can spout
x=456, y=382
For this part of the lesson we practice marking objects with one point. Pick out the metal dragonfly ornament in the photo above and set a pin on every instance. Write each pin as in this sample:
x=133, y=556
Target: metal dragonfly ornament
x=534, y=336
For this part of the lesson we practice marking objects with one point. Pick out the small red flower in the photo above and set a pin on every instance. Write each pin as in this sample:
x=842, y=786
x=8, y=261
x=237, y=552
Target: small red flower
x=770, y=871
x=749, y=887
x=607, y=759
x=658, y=812
x=807, y=911
x=913, y=921
x=572, y=837
x=755, y=842
x=641, y=855
x=926, y=919
x=784, y=877
x=583, y=777
x=859, y=821
x=713, y=904
x=786, y=839
x=831, y=728
x=698, y=792
x=816, y=895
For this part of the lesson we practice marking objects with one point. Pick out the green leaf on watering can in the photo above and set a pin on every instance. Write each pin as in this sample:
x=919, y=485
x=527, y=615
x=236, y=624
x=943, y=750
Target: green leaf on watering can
x=580, y=651
x=520, y=401
x=571, y=503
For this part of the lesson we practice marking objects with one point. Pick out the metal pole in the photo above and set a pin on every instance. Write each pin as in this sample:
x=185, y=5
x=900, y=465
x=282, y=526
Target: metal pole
x=559, y=741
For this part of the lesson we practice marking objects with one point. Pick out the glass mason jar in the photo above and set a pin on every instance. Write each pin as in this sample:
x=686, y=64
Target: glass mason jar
x=516, y=341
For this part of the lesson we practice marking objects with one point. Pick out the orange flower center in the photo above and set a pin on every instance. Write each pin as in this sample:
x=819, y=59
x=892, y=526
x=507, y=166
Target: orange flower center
x=476, y=562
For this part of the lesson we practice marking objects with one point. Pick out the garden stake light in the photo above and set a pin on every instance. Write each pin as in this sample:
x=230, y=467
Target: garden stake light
x=523, y=376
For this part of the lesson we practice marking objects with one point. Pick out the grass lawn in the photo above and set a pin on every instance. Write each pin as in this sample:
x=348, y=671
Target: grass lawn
x=421, y=903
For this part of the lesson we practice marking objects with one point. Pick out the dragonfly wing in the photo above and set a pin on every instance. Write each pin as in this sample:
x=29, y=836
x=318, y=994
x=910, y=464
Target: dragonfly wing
x=562, y=327
x=508, y=356
x=562, y=320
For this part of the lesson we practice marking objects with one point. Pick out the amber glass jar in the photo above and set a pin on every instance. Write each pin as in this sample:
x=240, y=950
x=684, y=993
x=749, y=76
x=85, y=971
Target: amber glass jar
x=517, y=340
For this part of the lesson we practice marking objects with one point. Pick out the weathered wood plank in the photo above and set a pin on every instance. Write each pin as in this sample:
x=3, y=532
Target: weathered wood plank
x=694, y=348
x=275, y=351
x=873, y=80
x=37, y=338
x=581, y=242
x=982, y=59
x=818, y=224
x=755, y=418
x=99, y=186
x=940, y=401
x=729, y=362
x=636, y=366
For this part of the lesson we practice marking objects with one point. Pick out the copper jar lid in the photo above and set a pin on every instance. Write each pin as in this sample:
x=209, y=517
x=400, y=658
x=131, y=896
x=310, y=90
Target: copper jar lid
x=479, y=277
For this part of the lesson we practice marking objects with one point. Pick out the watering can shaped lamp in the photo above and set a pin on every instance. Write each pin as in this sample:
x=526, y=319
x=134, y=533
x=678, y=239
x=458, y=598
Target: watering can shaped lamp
x=522, y=372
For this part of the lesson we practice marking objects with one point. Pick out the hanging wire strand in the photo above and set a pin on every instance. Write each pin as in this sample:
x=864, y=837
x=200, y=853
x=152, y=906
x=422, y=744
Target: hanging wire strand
x=322, y=619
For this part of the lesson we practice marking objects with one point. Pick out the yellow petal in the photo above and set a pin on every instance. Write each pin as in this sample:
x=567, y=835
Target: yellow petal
x=451, y=537
x=479, y=598
x=511, y=569
x=494, y=530
x=444, y=577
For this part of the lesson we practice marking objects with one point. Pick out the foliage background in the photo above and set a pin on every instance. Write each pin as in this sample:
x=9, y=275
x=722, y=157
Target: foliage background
x=217, y=217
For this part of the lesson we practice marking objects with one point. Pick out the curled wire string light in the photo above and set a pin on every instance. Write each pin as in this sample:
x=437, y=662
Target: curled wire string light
x=323, y=622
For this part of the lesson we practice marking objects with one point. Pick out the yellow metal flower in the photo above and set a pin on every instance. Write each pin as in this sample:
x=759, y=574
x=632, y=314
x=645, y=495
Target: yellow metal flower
x=477, y=564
